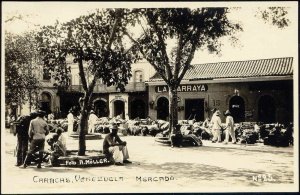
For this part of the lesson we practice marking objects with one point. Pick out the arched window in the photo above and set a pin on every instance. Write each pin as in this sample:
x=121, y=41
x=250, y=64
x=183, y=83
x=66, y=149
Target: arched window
x=45, y=102
x=138, y=109
x=162, y=108
x=119, y=108
x=237, y=108
x=46, y=74
x=266, y=109
x=100, y=107
x=138, y=76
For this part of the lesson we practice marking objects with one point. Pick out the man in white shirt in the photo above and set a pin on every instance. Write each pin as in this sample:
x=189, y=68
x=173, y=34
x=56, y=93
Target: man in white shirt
x=70, y=118
x=92, y=121
x=229, y=128
x=38, y=129
x=216, y=126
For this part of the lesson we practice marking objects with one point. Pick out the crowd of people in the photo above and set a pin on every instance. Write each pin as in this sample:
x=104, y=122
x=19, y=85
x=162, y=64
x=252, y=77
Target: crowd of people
x=32, y=131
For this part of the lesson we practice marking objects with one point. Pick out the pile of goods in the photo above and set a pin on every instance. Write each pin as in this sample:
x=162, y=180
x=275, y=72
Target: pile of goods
x=247, y=133
x=277, y=134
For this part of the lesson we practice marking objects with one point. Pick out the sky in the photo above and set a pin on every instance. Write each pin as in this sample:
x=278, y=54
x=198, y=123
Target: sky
x=258, y=40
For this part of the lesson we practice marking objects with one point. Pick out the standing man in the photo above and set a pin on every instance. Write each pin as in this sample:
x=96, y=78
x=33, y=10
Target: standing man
x=92, y=121
x=115, y=147
x=70, y=118
x=23, y=137
x=216, y=127
x=38, y=129
x=229, y=128
x=214, y=110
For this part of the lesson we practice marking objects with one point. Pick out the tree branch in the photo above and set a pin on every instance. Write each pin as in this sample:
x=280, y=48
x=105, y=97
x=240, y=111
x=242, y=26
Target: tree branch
x=166, y=62
x=145, y=56
x=190, y=58
x=81, y=71
x=113, y=32
x=178, y=56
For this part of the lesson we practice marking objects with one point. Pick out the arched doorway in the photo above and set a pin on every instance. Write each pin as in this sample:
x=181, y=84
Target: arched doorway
x=119, y=107
x=100, y=108
x=162, y=108
x=237, y=108
x=45, y=102
x=138, y=109
x=194, y=109
x=266, y=109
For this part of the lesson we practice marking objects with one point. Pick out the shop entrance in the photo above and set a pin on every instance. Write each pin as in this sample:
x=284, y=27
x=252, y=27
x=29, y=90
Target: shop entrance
x=194, y=109
x=237, y=109
x=100, y=108
x=119, y=108
x=266, y=109
x=138, y=109
x=163, y=108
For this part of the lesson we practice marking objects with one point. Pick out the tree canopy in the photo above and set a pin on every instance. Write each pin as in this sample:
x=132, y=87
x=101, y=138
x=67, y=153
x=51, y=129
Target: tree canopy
x=21, y=82
x=95, y=41
x=189, y=29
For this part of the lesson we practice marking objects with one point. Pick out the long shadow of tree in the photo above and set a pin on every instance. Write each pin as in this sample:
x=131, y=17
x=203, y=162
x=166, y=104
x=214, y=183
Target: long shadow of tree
x=201, y=172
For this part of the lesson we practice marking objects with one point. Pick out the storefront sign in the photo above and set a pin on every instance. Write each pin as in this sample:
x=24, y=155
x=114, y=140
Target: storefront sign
x=183, y=88
x=118, y=97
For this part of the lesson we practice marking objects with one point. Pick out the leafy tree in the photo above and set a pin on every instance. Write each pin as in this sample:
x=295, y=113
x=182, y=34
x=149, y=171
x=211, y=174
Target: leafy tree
x=96, y=40
x=190, y=29
x=21, y=83
x=276, y=16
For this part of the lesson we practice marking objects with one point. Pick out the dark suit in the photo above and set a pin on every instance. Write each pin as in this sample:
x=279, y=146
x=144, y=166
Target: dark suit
x=22, y=135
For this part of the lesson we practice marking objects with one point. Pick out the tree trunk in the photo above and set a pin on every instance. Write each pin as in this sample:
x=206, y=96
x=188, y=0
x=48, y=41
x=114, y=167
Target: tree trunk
x=173, y=109
x=83, y=124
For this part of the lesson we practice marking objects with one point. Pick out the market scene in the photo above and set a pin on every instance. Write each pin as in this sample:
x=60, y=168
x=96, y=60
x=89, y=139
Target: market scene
x=99, y=99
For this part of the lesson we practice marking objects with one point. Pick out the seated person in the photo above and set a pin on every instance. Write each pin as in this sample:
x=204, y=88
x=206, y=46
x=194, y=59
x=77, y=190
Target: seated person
x=206, y=129
x=115, y=147
x=62, y=138
x=57, y=148
x=176, y=139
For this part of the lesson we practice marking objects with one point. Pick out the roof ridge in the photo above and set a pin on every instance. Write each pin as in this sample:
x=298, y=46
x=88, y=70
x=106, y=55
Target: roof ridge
x=245, y=60
x=241, y=68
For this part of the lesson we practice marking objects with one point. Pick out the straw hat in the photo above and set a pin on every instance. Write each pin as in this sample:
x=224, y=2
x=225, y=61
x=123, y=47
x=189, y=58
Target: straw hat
x=227, y=113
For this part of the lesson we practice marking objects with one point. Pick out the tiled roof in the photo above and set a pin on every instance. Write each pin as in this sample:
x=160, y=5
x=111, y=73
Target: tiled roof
x=238, y=69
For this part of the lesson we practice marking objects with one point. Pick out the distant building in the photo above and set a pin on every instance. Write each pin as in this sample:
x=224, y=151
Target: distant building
x=253, y=90
x=107, y=101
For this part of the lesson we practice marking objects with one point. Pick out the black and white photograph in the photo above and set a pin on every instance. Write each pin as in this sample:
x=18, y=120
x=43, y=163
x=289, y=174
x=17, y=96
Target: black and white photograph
x=149, y=97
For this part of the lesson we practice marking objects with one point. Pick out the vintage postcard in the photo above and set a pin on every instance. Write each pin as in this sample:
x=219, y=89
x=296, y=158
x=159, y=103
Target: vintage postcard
x=139, y=97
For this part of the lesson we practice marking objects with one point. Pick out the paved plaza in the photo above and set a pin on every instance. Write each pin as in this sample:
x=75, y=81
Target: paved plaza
x=159, y=168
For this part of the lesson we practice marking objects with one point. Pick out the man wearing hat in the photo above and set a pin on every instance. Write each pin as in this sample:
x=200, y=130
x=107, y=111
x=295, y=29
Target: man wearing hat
x=115, y=147
x=216, y=126
x=212, y=117
x=38, y=129
x=70, y=118
x=229, y=128
x=22, y=135
x=92, y=122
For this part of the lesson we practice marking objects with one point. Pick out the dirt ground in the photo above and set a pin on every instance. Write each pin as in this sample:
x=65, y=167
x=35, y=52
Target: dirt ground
x=213, y=167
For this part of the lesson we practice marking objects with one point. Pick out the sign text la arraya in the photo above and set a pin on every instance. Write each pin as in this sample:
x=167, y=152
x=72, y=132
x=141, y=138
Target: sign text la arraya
x=183, y=88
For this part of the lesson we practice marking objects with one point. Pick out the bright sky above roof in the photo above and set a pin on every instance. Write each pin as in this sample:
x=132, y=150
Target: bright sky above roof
x=257, y=41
